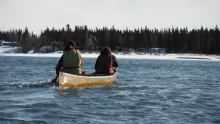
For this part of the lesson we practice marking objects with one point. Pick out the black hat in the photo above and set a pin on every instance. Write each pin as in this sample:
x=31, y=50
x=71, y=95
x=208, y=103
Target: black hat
x=72, y=43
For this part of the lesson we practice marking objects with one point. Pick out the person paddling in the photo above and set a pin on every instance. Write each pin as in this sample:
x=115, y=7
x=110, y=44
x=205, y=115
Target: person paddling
x=105, y=62
x=70, y=62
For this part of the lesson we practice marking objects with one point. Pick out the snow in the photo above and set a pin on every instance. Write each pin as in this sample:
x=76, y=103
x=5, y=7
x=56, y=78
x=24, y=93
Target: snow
x=12, y=51
x=8, y=49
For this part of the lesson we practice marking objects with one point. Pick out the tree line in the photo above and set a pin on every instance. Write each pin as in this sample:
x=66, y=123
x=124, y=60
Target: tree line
x=200, y=41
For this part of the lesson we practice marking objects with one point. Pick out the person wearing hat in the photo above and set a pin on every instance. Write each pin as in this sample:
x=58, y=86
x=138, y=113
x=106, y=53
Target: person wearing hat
x=71, y=61
x=105, y=62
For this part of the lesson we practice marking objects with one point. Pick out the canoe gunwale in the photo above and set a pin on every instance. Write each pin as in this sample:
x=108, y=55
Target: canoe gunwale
x=92, y=76
x=70, y=80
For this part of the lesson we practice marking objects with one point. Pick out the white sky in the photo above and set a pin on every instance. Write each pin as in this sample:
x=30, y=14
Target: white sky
x=37, y=15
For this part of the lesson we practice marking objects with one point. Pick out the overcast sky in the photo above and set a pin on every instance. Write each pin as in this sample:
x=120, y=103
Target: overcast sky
x=37, y=15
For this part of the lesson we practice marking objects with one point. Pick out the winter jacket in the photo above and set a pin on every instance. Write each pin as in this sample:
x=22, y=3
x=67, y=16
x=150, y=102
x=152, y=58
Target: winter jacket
x=105, y=63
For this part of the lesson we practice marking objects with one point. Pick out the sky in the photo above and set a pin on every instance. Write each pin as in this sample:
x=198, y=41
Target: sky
x=37, y=15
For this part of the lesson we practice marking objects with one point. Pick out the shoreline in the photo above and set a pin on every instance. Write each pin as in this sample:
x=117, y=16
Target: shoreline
x=120, y=55
x=11, y=51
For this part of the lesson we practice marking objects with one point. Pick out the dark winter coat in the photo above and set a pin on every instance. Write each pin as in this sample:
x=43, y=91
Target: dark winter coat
x=105, y=62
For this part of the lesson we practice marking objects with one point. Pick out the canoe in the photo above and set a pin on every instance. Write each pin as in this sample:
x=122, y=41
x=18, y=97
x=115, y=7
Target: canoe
x=70, y=80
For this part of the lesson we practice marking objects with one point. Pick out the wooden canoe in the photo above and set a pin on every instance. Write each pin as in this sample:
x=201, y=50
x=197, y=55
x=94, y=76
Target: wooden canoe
x=70, y=80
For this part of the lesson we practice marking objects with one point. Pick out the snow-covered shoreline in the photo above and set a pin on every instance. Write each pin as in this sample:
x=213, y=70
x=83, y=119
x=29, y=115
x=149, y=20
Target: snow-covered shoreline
x=11, y=51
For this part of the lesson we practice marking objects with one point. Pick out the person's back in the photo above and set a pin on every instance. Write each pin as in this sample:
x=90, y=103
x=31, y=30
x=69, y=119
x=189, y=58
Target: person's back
x=72, y=62
x=105, y=62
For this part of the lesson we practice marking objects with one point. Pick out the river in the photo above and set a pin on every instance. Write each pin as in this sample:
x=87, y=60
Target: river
x=146, y=91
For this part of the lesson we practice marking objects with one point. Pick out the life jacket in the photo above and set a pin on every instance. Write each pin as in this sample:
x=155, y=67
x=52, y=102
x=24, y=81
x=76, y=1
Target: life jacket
x=105, y=64
x=72, y=62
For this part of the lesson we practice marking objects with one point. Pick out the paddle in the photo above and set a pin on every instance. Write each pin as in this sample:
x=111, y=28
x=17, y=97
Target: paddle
x=55, y=79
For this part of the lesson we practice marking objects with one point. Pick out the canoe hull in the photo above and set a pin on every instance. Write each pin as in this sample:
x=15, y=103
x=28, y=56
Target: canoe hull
x=69, y=80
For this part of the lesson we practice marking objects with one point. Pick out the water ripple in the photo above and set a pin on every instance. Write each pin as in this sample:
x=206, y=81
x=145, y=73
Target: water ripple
x=146, y=91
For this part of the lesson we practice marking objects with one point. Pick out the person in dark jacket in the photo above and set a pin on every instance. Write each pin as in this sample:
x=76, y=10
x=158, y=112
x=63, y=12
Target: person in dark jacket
x=70, y=62
x=105, y=62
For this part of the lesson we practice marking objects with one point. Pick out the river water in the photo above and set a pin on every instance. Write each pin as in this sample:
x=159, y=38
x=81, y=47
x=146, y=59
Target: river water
x=146, y=91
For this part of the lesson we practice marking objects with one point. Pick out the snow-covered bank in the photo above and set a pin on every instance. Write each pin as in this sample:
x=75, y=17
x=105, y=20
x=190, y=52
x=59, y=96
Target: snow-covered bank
x=11, y=51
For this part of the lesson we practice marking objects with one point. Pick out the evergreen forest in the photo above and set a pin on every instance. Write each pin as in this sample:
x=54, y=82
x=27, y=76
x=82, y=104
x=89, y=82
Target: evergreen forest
x=175, y=40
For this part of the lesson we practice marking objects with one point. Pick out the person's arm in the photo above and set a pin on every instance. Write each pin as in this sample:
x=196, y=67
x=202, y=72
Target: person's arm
x=59, y=65
x=115, y=63
x=81, y=61
x=97, y=63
